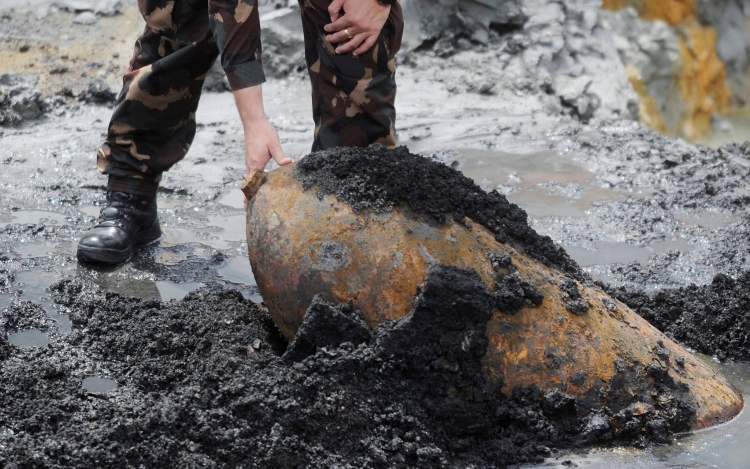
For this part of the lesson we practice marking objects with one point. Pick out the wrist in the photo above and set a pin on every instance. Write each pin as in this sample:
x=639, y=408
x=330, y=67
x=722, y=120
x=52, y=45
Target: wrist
x=254, y=124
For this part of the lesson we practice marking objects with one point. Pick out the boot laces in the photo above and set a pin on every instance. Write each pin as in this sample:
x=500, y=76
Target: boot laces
x=115, y=211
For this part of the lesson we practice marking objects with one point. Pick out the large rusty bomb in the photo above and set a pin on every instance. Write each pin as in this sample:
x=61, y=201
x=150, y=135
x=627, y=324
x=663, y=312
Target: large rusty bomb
x=564, y=334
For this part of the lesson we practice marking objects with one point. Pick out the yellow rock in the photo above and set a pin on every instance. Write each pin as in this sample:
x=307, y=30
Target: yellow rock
x=703, y=78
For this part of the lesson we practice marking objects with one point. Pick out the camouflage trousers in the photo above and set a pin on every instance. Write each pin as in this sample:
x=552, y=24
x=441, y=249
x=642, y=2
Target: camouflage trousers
x=153, y=123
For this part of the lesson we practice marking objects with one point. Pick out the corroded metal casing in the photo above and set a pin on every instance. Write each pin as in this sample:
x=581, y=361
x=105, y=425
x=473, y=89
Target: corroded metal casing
x=301, y=245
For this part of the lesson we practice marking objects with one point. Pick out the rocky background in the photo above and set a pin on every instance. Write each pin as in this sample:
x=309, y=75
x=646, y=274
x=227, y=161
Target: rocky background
x=687, y=59
x=678, y=66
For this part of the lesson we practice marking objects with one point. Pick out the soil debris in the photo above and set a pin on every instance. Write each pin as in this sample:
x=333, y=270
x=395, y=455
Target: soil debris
x=411, y=393
x=97, y=92
x=713, y=319
x=574, y=301
x=326, y=326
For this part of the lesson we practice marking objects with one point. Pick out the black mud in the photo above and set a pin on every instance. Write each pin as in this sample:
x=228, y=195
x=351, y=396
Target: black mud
x=713, y=319
x=379, y=179
x=204, y=382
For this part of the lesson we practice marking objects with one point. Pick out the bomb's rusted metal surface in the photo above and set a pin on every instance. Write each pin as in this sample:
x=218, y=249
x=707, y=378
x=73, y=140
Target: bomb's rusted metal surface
x=606, y=356
x=301, y=245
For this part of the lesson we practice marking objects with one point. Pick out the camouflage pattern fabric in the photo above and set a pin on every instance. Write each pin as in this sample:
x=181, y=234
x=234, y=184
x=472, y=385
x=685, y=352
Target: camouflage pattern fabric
x=153, y=124
x=353, y=97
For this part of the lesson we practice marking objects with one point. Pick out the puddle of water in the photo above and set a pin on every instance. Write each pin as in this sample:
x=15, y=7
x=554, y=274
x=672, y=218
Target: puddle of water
x=32, y=217
x=233, y=199
x=176, y=291
x=723, y=446
x=28, y=338
x=503, y=168
x=233, y=227
x=31, y=250
x=34, y=285
x=90, y=210
x=705, y=219
x=610, y=252
x=97, y=385
x=596, y=195
x=237, y=270
x=232, y=231
x=180, y=236
x=64, y=325
x=165, y=257
x=495, y=169
x=539, y=205
x=5, y=300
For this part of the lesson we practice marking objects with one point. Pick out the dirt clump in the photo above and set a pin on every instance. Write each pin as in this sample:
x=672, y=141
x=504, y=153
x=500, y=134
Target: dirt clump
x=713, y=319
x=378, y=179
x=575, y=303
x=202, y=382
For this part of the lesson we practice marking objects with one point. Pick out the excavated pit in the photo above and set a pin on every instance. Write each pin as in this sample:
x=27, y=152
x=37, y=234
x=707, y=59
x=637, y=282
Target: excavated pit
x=202, y=383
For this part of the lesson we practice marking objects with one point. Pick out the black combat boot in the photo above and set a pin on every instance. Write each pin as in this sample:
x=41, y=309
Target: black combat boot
x=127, y=220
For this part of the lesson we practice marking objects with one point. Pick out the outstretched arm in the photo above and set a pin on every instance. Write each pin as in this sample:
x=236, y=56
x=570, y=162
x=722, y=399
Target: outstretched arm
x=362, y=19
x=261, y=138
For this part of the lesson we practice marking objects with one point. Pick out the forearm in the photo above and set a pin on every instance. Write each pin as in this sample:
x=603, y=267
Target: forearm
x=250, y=105
x=261, y=138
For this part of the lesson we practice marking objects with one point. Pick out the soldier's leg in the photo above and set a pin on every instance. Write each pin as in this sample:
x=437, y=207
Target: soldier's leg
x=153, y=123
x=353, y=97
x=152, y=126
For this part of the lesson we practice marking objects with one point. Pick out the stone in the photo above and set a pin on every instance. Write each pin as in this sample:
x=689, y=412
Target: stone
x=19, y=100
x=108, y=7
x=86, y=17
x=216, y=80
x=76, y=5
x=283, y=42
x=428, y=20
x=97, y=92
x=18, y=79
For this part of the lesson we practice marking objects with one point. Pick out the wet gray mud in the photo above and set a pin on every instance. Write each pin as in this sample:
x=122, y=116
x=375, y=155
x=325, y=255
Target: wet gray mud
x=201, y=380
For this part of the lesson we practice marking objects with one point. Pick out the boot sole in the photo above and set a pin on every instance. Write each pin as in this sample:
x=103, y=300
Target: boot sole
x=114, y=256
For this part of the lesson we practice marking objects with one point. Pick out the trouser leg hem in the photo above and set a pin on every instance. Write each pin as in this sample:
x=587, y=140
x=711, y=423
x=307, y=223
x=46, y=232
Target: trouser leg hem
x=132, y=186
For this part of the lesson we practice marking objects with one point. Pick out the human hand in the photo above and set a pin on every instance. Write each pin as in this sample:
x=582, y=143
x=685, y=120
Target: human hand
x=261, y=144
x=362, y=19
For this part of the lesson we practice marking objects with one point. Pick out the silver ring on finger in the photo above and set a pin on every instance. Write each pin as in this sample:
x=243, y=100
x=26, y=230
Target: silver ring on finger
x=346, y=33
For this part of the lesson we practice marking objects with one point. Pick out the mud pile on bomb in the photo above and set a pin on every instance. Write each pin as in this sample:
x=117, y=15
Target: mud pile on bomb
x=374, y=227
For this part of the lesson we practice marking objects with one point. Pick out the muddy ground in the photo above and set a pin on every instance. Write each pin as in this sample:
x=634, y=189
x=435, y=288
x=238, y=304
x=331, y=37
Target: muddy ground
x=202, y=381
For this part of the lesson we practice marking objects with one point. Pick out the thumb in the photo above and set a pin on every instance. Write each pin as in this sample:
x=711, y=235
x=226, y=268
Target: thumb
x=335, y=9
x=278, y=155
